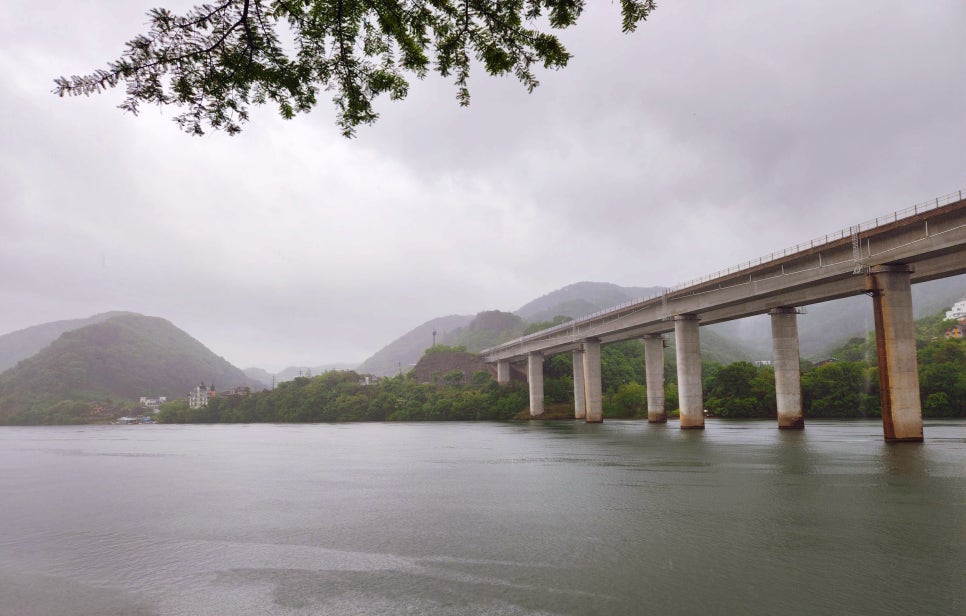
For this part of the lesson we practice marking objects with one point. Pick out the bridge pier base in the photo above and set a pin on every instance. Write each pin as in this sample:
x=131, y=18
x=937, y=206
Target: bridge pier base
x=592, y=389
x=687, y=340
x=580, y=400
x=503, y=371
x=895, y=338
x=788, y=375
x=535, y=380
x=654, y=373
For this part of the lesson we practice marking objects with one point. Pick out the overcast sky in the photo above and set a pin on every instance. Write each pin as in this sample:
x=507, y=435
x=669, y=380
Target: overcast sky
x=718, y=132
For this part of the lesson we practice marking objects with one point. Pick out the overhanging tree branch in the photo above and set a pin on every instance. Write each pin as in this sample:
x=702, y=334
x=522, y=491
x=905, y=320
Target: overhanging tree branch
x=217, y=60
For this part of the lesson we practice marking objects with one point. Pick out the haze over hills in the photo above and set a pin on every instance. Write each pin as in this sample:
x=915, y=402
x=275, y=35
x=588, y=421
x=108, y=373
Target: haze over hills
x=821, y=328
x=403, y=352
x=23, y=343
x=123, y=357
x=266, y=378
x=493, y=326
x=580, y=299
x=126, y=355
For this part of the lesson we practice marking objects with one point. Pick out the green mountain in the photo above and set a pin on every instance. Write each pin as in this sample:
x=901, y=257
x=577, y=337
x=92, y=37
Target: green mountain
x=492, y=327
x=487, y=329
x=119, y=359
x=580, y=299
x=23, y=343
x=401, y=354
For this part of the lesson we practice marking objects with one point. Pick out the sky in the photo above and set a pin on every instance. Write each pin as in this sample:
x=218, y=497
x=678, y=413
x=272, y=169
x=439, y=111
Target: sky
x=717, y=133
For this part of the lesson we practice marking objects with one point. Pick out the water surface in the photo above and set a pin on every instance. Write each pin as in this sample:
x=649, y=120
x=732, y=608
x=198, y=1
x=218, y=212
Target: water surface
x=482, y=518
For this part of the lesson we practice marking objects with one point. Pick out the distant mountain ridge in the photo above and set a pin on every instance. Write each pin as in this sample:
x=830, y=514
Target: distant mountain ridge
x=821, y=328
x=494, y=326
x=123, y=357
x=580, y=299
x=266, y=378
x=403, y=352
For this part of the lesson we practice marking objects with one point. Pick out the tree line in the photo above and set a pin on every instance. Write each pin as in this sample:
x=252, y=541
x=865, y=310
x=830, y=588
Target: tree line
x=846, y=388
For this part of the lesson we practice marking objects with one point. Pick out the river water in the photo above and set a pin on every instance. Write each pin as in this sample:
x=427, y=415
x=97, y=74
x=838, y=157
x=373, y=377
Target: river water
x=482, y=518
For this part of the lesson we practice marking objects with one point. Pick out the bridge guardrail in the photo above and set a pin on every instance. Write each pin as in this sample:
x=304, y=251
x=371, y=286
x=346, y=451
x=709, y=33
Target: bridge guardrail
x=896, y=216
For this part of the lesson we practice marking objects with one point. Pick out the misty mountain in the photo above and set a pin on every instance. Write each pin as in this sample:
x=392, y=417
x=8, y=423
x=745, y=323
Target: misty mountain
x=23, y=343
x=402, y=353
x=487, y=329
x=822, y=327
x=121, y=358
x=259, y=375
x=580, y=299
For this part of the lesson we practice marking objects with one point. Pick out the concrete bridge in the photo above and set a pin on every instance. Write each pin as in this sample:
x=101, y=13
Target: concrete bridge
x=881, y=258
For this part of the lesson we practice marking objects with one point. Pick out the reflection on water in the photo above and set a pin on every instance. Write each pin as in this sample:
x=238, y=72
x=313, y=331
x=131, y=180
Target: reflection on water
x=522, y=518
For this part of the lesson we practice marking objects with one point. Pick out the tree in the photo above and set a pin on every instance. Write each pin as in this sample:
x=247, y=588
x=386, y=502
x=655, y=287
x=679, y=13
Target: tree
x=742, y=390
x=218, y=59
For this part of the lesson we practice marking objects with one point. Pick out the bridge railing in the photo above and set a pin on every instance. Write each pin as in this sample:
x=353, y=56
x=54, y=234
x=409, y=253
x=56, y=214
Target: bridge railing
x=896, y=216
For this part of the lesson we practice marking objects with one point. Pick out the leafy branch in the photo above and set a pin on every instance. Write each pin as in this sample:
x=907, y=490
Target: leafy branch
x=217, y=60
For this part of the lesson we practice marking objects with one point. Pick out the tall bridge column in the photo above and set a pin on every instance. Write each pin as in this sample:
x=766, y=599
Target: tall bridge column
x=535, y=380
x=580, y=400
x=895, y=338
x=592, y=393
x=687, y=341
x=785, y=358
x=654, y=373
x=503, y=371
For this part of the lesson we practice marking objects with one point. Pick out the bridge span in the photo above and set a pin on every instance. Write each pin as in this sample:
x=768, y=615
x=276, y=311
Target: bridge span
x=881, y=258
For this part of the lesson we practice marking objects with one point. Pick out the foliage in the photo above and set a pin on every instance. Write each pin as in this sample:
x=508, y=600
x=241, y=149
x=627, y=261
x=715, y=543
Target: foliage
x=343, y=396
x=442, y=348
x=942, y=378
x=858, y=349
x=933, y=327
x=742, y=389
x=629, y=400
x=488, y=328
x=542, y=325
x=218, y=59
x=841, y=389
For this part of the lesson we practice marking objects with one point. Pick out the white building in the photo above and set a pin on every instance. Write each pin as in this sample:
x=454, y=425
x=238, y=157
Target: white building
x=198, y=397
x=958, y=311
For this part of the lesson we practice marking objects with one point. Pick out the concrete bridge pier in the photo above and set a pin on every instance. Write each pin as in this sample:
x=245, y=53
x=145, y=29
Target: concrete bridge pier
x=785, y=358
x=580, y=400
x=895, y=338
x=535, y=380
x=503, y=371
x=654, y=373
x=687, y=341
x=592, y=390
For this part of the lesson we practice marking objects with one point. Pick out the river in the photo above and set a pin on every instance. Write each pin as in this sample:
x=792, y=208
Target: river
x=528, y=518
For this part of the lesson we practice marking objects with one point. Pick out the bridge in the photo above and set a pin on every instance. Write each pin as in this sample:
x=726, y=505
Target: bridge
x=881, y=258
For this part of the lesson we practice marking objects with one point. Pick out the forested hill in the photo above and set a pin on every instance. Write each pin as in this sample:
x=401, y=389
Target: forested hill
x=580, y=299
x=493, y=326
x=23, y=343
x=405, y=351
x=119, y=359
